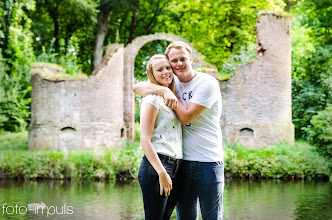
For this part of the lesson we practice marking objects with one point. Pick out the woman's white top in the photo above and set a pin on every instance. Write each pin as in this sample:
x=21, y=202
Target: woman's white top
x=167, y=133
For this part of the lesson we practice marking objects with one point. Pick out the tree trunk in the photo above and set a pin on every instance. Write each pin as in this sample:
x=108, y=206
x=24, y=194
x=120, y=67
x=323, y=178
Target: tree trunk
x=54, y=14
x=102, y=27
x=289, y=4
x=56, y=30
x=133, y=26
x=7, y=18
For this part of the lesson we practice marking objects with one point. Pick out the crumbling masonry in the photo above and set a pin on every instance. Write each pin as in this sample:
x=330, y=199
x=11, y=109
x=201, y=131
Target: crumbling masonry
x=97, y=112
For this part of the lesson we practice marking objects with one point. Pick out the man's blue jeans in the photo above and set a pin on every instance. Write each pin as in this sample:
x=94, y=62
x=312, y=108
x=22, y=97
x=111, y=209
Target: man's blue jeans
x=203, y=181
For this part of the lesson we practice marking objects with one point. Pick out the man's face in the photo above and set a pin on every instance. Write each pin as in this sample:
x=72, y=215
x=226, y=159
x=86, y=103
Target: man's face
x=180, y=61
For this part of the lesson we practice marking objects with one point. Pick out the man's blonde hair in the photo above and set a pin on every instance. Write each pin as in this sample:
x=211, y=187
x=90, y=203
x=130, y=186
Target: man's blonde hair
x=178, y=45
x=149, y=71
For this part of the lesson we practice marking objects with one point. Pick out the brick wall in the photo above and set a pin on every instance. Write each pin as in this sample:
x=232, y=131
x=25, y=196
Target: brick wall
x=81, y=113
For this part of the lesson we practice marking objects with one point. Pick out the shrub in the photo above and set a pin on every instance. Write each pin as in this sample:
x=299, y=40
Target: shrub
x=279, y=161
x=14, y=141
x=17, y=54
x=100, y=164
x=320, y=131
x=66, y=57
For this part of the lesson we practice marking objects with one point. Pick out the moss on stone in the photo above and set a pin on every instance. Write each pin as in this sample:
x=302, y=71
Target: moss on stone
x=41, y=67
x=64, y=76
x=54, y=72
x=224, y=77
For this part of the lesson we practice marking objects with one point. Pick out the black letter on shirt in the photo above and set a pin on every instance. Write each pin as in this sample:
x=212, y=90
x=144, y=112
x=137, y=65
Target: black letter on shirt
x=190, y=94
x=183, y=96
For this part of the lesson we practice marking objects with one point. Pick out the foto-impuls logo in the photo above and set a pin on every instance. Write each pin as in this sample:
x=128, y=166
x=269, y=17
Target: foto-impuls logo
x=36, y=208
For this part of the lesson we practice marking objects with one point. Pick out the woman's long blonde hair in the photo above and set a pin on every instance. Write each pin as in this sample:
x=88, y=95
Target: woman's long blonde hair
x=149, y=71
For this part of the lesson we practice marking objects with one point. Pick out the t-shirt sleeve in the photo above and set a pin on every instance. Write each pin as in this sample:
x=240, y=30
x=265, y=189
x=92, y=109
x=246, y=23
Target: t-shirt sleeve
x=151, y=99
x=206, y=93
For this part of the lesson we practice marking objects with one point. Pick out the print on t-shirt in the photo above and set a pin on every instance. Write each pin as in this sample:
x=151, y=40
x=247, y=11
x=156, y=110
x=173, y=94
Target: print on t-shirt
x=185, y=96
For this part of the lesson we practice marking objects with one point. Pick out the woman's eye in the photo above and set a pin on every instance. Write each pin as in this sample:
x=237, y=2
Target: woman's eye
x=168, y=68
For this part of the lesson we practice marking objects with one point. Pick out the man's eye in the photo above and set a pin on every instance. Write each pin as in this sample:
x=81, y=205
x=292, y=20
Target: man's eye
x=174, y=61
x=160, y=70
x=168, y=68
x=183, y=59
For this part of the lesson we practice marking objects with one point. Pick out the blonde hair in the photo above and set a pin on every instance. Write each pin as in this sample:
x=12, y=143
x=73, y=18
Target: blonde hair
x=178, y=45
x=149, y=71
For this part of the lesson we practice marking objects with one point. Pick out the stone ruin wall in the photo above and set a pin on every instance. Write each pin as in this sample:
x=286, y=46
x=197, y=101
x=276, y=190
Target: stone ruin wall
x=257, y=98
x=98, y=112
x=76, y=114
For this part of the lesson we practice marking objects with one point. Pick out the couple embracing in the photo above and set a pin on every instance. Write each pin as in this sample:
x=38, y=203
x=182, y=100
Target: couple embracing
x=181, y=139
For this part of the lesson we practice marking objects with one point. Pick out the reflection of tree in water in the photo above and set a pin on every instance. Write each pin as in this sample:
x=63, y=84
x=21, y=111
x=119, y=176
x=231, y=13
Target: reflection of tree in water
x=315, y=204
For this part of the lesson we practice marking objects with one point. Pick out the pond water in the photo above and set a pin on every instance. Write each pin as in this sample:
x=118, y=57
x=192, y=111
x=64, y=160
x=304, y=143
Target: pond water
x=243, y=199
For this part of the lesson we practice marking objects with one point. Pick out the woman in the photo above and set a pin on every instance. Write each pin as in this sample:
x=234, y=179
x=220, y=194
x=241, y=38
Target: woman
x=161, y=141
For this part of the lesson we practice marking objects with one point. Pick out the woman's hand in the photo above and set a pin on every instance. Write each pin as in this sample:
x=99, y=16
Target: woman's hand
x=165, y=182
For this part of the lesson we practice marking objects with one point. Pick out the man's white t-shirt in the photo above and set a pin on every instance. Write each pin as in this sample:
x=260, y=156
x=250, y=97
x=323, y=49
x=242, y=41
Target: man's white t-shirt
x=202, y=138
x=167, y=134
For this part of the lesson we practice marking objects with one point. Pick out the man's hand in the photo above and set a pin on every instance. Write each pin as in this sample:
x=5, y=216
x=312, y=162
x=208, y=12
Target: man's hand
x=146, y=88
x=171, y=101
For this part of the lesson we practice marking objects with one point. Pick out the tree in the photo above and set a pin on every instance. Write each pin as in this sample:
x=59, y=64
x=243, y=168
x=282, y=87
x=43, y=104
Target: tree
x=289, y=4
x=16, y=49
x=65, y=19
x=103, y=24
x=312, y=62
x=121, y=22
x=216, y=28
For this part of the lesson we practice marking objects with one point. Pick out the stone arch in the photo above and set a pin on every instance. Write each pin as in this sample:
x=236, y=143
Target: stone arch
x=130, y=54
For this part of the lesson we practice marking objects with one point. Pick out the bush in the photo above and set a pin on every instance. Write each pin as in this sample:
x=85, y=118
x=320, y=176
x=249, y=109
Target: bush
x=14, y=141
x=320, y=131
x=100, y=164
x=279, y=161
x=307, y=100
x=67, y=56
x=16, y=56
x=245, y=55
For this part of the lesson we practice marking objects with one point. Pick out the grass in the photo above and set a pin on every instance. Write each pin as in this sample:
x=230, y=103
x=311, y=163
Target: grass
x=17, y=162
x=281, y=161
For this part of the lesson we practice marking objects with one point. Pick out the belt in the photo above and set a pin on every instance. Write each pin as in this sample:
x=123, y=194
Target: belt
x=161, y=156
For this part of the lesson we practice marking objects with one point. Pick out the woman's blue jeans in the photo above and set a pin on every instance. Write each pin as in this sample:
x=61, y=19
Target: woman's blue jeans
x=156, y=206
x=203, y=181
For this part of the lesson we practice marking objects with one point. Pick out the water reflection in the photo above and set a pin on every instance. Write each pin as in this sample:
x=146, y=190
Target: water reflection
x=276, y=199
x=243, y=199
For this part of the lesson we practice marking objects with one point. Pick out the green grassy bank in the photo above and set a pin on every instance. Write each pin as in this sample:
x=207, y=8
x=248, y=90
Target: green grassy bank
x=279, y=161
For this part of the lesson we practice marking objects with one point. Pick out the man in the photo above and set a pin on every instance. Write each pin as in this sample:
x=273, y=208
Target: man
x=201, y=174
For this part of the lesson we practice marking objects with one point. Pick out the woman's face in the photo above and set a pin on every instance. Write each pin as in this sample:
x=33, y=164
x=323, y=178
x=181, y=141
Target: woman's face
x=162, y=72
